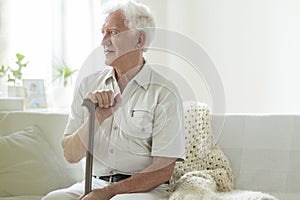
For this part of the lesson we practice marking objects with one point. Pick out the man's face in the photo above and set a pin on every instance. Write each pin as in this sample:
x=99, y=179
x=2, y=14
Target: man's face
x=118, y=40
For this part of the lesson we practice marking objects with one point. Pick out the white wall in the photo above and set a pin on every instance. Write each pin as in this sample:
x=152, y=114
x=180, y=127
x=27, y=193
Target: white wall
x=253, y=43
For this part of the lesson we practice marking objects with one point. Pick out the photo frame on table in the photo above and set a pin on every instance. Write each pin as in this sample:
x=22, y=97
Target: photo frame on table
x=34, y=93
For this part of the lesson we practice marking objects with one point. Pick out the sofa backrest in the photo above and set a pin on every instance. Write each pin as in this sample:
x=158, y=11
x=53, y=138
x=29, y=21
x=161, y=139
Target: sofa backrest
x=53, y=124
x=263, y=150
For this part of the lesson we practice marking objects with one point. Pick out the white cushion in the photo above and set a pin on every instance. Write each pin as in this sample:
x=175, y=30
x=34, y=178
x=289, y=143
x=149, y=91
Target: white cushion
x=31, y=165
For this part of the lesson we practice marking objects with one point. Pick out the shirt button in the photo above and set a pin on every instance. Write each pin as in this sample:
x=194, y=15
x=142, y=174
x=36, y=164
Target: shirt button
x=143, y=129
x=115, y=128
x=111, y=151
x=111, y=172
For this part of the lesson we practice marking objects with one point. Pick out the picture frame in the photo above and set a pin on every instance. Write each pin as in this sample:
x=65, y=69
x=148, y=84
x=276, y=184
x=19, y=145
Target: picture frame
x=34, y=94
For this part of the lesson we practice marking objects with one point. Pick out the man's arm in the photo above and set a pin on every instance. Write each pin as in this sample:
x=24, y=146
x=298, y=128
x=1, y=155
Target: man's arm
x=159, y=172
x=74, y=145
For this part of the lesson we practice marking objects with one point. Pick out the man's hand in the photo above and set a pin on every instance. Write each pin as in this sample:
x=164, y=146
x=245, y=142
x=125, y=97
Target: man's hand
x=105, y=99
x=99, y=194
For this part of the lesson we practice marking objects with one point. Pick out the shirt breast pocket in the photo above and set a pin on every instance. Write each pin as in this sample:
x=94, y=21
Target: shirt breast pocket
x=142, y=122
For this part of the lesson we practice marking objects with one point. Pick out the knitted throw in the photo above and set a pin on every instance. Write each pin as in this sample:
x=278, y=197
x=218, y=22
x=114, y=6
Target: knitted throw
x=205, y=174
x=201, y=153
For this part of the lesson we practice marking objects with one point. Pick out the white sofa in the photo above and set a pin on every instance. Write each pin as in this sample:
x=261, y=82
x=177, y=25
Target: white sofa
x=263, y=152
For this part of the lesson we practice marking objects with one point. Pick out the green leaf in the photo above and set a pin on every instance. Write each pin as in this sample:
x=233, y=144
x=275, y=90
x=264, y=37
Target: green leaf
x=19, y=56
x=17, y=74
x=2, y=70
x=62, y=72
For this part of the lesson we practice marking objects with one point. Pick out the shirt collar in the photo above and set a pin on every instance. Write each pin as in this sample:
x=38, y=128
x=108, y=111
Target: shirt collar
x=109, y=75
x=142, y=77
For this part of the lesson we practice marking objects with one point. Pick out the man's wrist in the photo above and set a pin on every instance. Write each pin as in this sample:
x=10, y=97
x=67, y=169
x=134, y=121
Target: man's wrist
x=99, y=118
x=111, y=190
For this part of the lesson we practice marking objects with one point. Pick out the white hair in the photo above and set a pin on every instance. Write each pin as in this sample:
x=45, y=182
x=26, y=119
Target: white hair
x=137, y=16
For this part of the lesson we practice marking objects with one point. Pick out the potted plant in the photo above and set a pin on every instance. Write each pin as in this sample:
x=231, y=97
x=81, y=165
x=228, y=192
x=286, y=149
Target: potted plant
x=63, y=73
x=14, y=76
x=62, y=88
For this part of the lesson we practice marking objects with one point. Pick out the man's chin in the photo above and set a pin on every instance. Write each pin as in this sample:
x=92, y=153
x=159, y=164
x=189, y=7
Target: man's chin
x=108, y=62
x=112, y=62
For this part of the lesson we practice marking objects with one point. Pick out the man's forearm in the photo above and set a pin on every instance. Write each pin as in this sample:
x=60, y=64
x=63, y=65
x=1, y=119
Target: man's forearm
x=143, y=182
x=73, y=145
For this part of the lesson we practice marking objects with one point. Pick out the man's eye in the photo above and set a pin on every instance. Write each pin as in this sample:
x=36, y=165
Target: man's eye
x=113, y=32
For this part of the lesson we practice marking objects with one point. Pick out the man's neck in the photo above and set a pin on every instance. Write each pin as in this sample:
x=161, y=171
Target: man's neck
x=126, y=72
x=127, y=63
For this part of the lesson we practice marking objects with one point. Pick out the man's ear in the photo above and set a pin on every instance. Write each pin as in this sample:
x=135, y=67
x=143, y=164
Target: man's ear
x=141, y=40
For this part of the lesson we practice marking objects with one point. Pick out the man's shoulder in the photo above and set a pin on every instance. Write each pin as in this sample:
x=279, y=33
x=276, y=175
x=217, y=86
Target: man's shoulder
x=162, y=79
x=162, y=84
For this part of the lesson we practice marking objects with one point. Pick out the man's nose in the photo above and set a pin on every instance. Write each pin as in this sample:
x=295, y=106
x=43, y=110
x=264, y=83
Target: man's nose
x=106, y=40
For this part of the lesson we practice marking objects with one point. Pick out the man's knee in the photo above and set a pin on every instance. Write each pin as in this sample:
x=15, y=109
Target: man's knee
x=123, y=197
x=136, y=196
x=60, y=195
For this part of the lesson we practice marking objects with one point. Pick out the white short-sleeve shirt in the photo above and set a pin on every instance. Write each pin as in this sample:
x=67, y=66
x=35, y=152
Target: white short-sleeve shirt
x=148, y=123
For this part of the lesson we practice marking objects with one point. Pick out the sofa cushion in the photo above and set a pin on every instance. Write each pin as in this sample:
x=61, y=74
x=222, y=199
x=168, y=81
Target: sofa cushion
x=30, y=165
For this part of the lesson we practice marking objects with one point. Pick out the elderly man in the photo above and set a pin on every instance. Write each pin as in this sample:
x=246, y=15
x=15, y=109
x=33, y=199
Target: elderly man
x=138, y=139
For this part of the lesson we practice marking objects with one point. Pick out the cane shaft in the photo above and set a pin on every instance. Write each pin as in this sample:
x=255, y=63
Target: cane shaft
x=90, y=148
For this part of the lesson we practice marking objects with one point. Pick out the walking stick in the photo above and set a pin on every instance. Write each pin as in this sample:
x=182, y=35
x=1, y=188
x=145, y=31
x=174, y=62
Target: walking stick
x=90, y=148
x=89, y=152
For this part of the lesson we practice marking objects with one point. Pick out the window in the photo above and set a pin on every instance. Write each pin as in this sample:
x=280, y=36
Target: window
x=48, y=31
